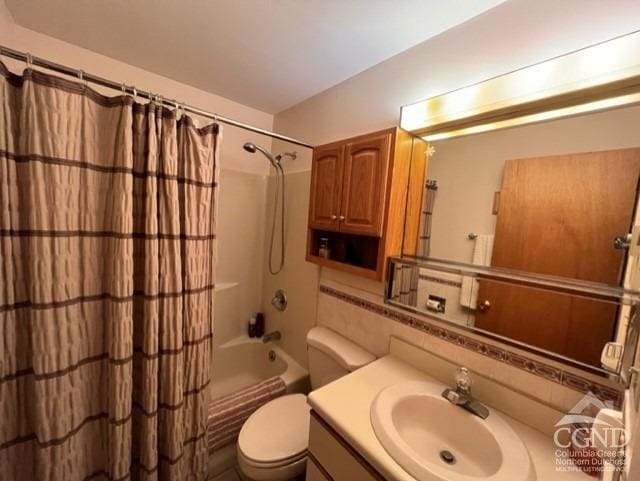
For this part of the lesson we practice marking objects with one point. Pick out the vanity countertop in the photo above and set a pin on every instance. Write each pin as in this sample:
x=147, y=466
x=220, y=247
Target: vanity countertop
x=345, y=405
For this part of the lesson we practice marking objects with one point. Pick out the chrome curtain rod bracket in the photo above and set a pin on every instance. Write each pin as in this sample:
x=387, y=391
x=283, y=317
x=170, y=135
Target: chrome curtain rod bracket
x=111, y=84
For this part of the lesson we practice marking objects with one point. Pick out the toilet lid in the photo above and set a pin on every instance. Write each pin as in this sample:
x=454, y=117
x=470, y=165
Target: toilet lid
x=277, y=431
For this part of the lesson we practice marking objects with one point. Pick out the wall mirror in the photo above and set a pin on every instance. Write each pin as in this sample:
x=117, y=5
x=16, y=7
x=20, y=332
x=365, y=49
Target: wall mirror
x=543, y=194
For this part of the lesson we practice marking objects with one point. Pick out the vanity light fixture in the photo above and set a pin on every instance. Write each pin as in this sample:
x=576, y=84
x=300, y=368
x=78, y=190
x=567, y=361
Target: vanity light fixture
x=598, y=105
x=598, y=77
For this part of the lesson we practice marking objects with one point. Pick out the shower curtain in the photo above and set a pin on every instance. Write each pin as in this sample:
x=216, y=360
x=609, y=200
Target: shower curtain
x=106, y=285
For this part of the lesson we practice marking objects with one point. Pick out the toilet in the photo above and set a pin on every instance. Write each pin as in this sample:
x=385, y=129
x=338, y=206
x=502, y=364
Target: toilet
x=273, y=442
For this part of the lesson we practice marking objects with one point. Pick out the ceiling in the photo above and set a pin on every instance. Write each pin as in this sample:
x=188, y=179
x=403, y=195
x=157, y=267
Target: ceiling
x=267, y=54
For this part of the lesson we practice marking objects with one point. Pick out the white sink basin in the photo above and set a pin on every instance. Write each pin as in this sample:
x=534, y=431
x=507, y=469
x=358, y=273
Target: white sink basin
x=434, y=440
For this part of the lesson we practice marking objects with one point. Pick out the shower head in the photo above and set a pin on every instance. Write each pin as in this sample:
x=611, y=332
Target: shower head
x=278, y=193
x=251, y=148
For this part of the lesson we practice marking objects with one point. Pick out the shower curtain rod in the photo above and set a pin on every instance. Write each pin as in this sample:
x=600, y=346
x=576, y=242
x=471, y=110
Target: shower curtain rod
x=80, y=74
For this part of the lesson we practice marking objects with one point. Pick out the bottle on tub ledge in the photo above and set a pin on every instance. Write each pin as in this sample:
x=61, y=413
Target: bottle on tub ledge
x=259, y=324
x=251, y=327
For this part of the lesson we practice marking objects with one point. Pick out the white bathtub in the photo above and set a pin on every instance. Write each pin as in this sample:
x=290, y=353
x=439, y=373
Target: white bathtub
x=245, y=361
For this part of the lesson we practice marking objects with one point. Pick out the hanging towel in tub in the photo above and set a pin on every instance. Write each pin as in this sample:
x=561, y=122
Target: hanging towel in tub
x=228, y=413
x=482, y=250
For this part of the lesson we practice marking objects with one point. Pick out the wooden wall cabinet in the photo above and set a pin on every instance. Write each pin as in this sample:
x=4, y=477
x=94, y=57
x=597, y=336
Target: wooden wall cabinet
x=326, y=185
x=359, y=188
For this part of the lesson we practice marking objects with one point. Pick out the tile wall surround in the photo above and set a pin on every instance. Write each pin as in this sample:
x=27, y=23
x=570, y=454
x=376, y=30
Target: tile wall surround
x=241, y=196
x=353, y=311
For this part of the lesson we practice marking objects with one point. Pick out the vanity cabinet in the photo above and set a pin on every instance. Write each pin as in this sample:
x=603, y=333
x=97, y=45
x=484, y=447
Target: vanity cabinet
x=357, y=205
x=331, y=458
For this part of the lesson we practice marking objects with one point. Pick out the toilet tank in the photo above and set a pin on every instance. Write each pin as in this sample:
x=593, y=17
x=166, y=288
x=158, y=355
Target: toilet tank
x=332, y=356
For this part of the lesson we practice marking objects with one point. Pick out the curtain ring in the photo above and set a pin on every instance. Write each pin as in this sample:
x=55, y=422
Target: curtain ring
x=123, y=87
x=81, y=77
x=135, y=92
x=29, y=60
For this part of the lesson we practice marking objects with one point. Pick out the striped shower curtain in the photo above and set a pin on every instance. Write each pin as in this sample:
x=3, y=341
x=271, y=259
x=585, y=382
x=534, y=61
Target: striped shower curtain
x=107, y=250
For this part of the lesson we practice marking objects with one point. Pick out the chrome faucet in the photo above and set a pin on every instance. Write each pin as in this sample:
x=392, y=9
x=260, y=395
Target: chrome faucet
x=461, y=394
x=272, y=336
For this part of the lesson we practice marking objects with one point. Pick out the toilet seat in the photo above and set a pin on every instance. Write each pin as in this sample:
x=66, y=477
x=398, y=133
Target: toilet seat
x=277, y=434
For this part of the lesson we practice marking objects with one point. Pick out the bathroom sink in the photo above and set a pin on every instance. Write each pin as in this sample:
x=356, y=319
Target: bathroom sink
x=434, y=440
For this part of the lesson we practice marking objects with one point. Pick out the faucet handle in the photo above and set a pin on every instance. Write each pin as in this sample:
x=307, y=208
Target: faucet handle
x=463, y=379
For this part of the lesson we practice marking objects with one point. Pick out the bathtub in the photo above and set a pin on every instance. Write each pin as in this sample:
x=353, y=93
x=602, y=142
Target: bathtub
x=244, y=361
x=240, y=365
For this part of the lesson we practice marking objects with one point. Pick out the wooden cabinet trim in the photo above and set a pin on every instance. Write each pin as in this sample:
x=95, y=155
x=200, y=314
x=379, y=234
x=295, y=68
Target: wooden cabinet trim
x=318, y=466
x=356, y=270
x=346, y=446
x=358, y=138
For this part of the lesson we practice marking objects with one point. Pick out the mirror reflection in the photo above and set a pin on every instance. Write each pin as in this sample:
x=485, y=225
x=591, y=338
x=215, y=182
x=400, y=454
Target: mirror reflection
x=557, y=198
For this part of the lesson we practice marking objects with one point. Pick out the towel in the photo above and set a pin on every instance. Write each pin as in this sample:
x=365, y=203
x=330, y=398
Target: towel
x=482, y=250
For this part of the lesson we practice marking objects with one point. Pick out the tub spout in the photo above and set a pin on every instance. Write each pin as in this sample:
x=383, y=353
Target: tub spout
x=272, y=336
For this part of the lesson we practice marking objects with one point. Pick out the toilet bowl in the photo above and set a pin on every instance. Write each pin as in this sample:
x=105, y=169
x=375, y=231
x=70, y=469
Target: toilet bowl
x=273, y=442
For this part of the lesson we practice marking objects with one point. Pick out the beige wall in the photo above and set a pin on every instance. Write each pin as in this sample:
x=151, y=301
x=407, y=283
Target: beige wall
x=243, y=176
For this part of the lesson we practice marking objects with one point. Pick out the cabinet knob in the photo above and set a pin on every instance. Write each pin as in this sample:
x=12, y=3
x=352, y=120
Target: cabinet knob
x=334, y=217
x=341, y=217
x=484, y=306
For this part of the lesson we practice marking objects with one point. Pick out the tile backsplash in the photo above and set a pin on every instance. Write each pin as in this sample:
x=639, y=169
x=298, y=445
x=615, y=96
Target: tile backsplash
x=362, y=316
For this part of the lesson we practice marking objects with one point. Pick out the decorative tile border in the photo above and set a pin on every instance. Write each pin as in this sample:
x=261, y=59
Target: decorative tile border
x=439, y=280
x=519, y=361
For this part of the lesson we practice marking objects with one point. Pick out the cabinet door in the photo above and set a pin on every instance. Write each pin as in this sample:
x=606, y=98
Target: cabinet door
x=326, y=187
x=366, y=163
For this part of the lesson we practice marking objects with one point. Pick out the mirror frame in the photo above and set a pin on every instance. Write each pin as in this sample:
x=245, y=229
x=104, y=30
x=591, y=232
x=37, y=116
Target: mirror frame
x=591, y=290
